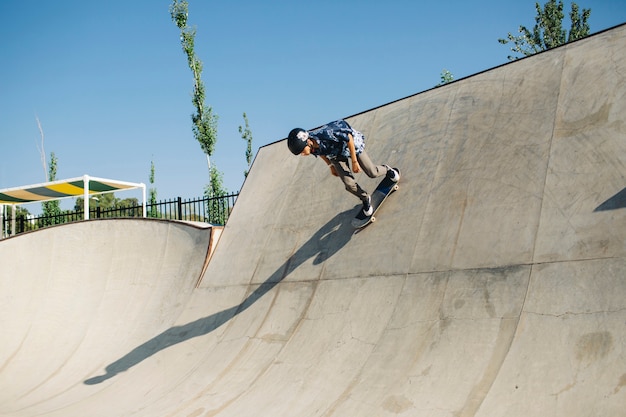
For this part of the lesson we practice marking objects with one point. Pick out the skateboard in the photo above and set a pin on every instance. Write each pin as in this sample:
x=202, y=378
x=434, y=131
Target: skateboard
x=380, y=194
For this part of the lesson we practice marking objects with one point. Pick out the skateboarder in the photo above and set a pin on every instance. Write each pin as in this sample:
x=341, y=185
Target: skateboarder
x=337, y=143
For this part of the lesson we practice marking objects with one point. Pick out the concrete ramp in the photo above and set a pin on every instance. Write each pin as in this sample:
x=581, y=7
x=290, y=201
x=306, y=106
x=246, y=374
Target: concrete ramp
x=73, y=297
x=492, y=284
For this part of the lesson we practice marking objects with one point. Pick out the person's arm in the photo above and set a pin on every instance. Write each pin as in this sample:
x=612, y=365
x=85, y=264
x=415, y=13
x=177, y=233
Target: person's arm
x=355, y=163
x=332, y=167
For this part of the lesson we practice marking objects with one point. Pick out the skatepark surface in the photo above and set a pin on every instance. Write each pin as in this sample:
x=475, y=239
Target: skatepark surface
x=491, y=284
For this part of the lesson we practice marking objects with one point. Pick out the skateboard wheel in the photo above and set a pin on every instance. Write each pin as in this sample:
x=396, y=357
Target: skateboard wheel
x=395, y=187
x=373, y=219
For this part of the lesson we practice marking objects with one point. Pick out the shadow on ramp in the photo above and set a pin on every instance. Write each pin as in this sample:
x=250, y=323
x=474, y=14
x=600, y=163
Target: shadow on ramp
x=326, y=242
x=616, y=202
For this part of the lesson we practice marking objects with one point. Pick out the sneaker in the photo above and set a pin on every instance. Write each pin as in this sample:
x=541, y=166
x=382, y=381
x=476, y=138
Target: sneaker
x=393, y=173
x=367, y=207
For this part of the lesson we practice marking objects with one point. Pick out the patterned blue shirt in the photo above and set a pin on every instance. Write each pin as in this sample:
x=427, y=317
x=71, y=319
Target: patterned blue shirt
x=333, y=139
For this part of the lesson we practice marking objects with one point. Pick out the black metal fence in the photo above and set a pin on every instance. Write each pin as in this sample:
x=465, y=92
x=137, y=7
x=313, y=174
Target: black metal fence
x=214, y=210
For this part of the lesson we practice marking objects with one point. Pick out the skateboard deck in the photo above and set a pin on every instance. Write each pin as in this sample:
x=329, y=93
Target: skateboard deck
x=380, y=194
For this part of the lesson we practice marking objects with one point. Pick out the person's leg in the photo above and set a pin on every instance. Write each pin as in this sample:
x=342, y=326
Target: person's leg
x=346, y=176
x=370, y=169
x=373, y=171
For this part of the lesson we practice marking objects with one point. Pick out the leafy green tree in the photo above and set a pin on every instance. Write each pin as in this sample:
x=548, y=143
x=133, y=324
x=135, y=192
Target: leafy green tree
x=446, y=77
x=204, y=121
x=132, y=206
x=246, y=134
x=548, y=31
x=580, y=23
x=108, y=201
x=102, y=201
x=52, y=209
x=216, y=206
x=22, y=222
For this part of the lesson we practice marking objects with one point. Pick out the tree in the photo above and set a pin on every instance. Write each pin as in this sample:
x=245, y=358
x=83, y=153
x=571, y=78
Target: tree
x=107, y=205
x=446, y=77
x=153, y=193
x=548, y=31
x=580, y=25
x=216, y=206
x=204, y=121
x=52, y=209
x=22, y=222
x=103, y=201
x=246, y=134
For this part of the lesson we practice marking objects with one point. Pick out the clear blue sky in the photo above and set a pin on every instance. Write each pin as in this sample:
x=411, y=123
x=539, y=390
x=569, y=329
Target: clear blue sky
x=111, y=87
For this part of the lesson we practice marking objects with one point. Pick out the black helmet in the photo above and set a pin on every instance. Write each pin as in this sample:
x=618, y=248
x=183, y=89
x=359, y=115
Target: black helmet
x=296, y=142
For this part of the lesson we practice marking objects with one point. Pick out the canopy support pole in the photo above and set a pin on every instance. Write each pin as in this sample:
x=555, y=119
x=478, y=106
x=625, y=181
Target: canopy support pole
x=13, y=220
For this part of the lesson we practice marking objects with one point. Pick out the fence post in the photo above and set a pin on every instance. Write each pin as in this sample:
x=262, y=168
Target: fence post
x=180, y=208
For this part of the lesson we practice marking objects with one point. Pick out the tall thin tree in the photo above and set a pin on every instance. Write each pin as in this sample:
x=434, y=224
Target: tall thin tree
x=246, y=134
x=52, y=209
x=204, y=120
x=152, y=192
